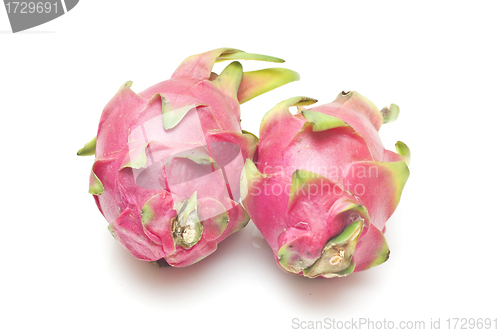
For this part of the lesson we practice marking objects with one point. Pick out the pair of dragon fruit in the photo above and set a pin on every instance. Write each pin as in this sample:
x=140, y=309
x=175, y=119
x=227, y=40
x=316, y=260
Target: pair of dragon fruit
x=173, y=164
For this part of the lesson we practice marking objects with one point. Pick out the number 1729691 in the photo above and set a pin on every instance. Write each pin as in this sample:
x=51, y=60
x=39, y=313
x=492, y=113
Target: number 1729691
x=471, y=323
x=14, y=7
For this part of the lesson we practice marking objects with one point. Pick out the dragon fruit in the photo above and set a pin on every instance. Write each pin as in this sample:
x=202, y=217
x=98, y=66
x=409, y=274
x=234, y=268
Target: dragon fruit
x=322, y=186
x=168, y=160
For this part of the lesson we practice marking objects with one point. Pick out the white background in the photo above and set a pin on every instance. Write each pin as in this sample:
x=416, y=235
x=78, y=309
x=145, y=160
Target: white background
x=61, y=271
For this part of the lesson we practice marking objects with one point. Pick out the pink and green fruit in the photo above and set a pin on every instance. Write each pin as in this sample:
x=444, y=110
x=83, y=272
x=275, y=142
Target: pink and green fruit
x=321, y=186
x=168, y=160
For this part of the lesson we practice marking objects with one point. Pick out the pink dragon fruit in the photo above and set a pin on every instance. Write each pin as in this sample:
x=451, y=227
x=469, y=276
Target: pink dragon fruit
x=168, y=160
x=323, y=185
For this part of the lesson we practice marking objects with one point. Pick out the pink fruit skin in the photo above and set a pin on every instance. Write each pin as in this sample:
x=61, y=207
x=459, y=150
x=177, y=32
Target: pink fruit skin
x=140, y=197
x=352, y=175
